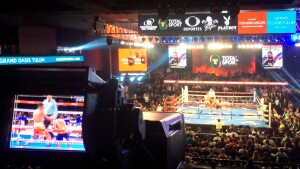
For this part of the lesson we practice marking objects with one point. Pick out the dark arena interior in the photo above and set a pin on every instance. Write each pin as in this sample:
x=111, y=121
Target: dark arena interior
x=166, y=84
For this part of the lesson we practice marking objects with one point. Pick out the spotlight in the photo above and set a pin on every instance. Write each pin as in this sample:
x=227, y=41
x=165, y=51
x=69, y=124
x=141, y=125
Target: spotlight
x=150, y=39
x=157, y=40
x=233, y=8
x=178, y=40
x=195, y=39
x=109, y=40
x=163, y=10
x=215, y=7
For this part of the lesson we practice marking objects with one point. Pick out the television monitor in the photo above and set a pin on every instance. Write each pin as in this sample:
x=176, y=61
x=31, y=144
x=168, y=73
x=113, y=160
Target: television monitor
x=29, y=129
x=177, y=57
x=272, y=56
x=132, y=60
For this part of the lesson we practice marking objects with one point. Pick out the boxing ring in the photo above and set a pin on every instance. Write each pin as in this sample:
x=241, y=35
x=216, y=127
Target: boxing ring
x=237, y=108
x=22, y=128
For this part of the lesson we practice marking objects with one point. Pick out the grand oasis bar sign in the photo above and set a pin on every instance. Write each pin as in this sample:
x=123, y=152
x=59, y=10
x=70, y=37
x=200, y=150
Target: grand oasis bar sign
x=218, y=24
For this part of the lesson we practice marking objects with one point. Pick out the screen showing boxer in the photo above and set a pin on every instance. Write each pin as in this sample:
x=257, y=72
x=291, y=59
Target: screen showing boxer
x=272, y=56
x=47, y=122
x=177, y=57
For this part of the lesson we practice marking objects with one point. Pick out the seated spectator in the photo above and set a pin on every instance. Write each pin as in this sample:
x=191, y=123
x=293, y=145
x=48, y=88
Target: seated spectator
x=244, y=131
x=232, y=128
x=256, y=156
x=222, y=143
x=266, y=157
x=213, y=164
x=187, y=164
x=250, y=165
x=191, y=140
x=243, y=149
x=222, y=155
x=281, y=156
x=217, y=138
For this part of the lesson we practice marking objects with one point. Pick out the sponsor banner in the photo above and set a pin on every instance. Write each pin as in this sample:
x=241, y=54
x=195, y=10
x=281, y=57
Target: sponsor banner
x=252, y=23
x=189, y=25
x=272, y=57
x=224, y=61
x=25, y=60
x=132, y=60
x=281, y=22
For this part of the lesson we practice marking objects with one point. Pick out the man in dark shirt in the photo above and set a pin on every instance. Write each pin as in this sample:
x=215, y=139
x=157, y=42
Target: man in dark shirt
x=270, y=62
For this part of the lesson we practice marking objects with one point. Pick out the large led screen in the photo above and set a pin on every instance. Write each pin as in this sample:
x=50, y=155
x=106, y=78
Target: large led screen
x=132, y=60
x=45, y=122
x=272, y=57
x=177, y=56
x=252, y=23
x=221, y=62
x=281, y=22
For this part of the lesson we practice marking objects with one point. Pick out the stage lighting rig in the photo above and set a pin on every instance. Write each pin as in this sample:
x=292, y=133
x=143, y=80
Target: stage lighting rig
x=109, y=40
x=233, y=8
x=216, y=7
x=179, y=7
x=163, y=10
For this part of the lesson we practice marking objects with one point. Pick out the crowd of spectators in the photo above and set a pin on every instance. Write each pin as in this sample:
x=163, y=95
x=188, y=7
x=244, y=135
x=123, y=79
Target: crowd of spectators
x=280, y=143
x=152, y=93
x=242, y=147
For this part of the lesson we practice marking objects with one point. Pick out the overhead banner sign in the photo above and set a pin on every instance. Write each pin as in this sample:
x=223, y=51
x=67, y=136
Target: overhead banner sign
x=26, y=60
x=188, y=25
x=252, y=23
x=281, y=22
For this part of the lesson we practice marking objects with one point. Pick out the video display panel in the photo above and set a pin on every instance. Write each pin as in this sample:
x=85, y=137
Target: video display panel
x=177, y=56
x=281, y=22
x=46, y=122
x=252, y=22
x=132, y=60
x=221, y=62
x=272, y=56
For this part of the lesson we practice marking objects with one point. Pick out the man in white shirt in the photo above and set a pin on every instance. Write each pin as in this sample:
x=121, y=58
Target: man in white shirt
x=212, y=93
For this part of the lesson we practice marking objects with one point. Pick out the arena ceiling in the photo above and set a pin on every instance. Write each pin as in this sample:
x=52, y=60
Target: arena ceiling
x=80, y=14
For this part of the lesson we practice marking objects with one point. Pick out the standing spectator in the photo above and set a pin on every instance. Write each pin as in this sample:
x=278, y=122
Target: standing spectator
x=219, y=126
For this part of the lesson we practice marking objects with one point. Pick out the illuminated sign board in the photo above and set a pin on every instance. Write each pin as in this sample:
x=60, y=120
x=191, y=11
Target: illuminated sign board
x=132, y=60
x=197, y=24
x=281, y=22
x=26, y=60
x=252, y=23
x=272, y=56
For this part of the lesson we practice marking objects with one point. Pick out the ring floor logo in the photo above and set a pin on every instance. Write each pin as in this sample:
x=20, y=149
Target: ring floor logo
x=148, y=24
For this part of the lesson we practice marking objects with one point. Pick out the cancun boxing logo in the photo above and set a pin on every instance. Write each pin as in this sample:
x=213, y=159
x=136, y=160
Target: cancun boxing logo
x=215, y=61
x=148, y=25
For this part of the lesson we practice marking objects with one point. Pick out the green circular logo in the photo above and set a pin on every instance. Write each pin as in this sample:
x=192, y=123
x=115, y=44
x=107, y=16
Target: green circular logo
x=163, y=24
x=215, y=61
